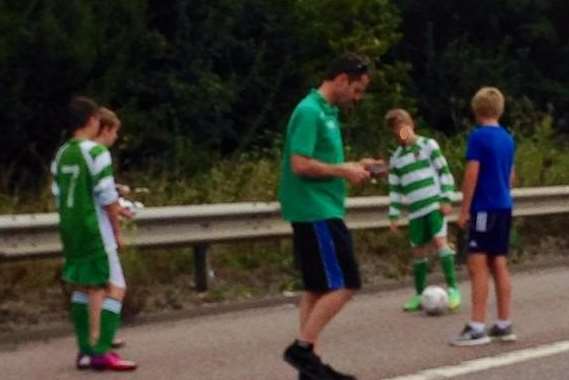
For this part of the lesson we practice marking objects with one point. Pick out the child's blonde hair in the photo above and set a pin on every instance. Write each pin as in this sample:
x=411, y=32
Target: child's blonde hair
x=397, y=116
x=108, y=118
x=488, y=102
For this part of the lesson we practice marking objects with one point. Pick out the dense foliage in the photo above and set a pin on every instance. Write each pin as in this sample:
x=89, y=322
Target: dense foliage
x=202, y=82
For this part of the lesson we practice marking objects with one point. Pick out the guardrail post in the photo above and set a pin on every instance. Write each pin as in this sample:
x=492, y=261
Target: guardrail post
x=200, y=267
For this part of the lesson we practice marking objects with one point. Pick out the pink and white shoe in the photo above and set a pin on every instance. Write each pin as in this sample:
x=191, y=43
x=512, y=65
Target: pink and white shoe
x=112, y=361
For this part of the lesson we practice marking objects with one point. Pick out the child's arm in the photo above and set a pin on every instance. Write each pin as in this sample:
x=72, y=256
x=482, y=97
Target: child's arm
x=468, y=187
x=114, y=211
x=395, y=196
x=446, y=179
x=106, y=194
x=474, y=153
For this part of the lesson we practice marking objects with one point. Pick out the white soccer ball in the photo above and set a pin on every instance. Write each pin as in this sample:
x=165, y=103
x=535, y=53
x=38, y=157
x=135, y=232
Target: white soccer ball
x=434, y=300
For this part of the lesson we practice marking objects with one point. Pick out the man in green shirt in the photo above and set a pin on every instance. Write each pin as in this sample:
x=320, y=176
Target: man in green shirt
x=87, y=202
x=312, y=194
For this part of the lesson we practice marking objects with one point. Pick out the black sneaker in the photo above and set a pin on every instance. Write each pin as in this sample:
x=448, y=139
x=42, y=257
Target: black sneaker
x=502, y=335
x=306, y=362
x=338, y=375
x=470, y=337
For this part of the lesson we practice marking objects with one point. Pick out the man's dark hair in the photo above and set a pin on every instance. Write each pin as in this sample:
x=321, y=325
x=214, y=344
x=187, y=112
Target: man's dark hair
x=81, y=109
x=352, y=64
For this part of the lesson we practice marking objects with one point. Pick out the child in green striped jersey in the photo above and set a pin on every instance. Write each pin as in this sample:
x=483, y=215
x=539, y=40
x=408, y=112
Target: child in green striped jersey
x=420, y=181
x=87, y=201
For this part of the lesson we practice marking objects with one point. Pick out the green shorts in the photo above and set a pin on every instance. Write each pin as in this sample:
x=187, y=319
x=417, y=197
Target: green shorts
x=422, y=230
x=93, y=270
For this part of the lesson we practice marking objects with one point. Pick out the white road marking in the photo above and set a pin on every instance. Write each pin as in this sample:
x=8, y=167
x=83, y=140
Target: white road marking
x=478, y=365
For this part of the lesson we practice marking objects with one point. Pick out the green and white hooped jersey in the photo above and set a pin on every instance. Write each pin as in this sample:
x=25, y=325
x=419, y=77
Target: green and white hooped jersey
x=83, y=184
x=419, y=179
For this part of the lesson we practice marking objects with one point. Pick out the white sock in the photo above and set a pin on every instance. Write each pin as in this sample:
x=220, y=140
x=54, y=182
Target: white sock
x=502, y=324
x=477, y=326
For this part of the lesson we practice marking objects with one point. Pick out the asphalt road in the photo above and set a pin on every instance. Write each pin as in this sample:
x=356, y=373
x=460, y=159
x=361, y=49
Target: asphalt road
x=372, y=338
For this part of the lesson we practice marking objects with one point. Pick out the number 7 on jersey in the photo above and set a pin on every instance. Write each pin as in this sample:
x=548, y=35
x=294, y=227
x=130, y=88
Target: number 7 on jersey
x=72, y=170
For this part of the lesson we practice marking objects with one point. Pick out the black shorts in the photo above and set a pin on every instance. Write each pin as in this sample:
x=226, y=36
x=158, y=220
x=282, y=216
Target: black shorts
x=489, y=232
x=324, y=254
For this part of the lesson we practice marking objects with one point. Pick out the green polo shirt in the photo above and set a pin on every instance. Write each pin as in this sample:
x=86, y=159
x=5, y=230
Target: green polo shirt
x=313, y=131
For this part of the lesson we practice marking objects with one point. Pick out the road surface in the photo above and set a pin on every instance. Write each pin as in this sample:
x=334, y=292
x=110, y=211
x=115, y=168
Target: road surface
x=372, y=338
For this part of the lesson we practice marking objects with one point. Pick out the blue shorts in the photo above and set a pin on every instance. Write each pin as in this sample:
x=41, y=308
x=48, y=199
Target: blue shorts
x=489, y=232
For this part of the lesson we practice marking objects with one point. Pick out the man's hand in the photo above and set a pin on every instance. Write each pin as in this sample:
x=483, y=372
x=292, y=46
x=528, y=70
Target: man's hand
x=376, y=167
x=370, y=161
x=354, y=172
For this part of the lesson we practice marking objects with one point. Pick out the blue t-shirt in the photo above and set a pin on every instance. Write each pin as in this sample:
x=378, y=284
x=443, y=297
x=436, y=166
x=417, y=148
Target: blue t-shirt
x=493, y=147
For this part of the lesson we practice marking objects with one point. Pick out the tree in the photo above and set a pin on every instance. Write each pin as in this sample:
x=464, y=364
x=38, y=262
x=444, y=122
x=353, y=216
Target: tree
x=456, y=47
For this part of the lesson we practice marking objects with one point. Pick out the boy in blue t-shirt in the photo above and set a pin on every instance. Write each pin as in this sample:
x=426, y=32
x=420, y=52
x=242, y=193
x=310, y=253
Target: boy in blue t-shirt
x=487, y=211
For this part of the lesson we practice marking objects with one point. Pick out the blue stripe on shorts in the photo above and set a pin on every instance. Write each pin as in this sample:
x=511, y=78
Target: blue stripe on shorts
x=327, y=250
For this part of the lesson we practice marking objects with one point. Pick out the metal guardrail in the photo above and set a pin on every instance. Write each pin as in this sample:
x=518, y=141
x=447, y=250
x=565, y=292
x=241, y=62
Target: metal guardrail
x=28, y=236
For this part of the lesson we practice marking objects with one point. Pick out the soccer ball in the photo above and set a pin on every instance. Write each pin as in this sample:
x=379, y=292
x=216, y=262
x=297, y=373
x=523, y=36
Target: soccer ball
x=434, y=300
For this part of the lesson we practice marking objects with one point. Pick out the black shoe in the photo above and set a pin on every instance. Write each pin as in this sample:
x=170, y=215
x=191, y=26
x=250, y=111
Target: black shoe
x=306, y=362
x=302, y=376
x=338, y=375
x=503, y=335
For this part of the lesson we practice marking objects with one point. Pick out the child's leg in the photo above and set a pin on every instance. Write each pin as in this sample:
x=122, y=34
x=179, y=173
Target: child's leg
x=110, y=321
x=80, y=319
x=419, y=239
x=446, y=257
x=117, y=288
x=437, y=226
x=111, y=306
x=478, y=271
x=110, y=317
x=503, y=285
x=96, y=298
x=502, y=222
x=502, y=330
x=420, y=268
x=474, y=333
x=117, y=293
x=95, y=308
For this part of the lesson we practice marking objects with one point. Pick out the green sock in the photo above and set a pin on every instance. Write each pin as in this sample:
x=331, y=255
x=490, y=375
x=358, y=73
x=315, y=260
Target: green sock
x=446, y=256
x=110, y=320
x=80, y=318
x=420, y=273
